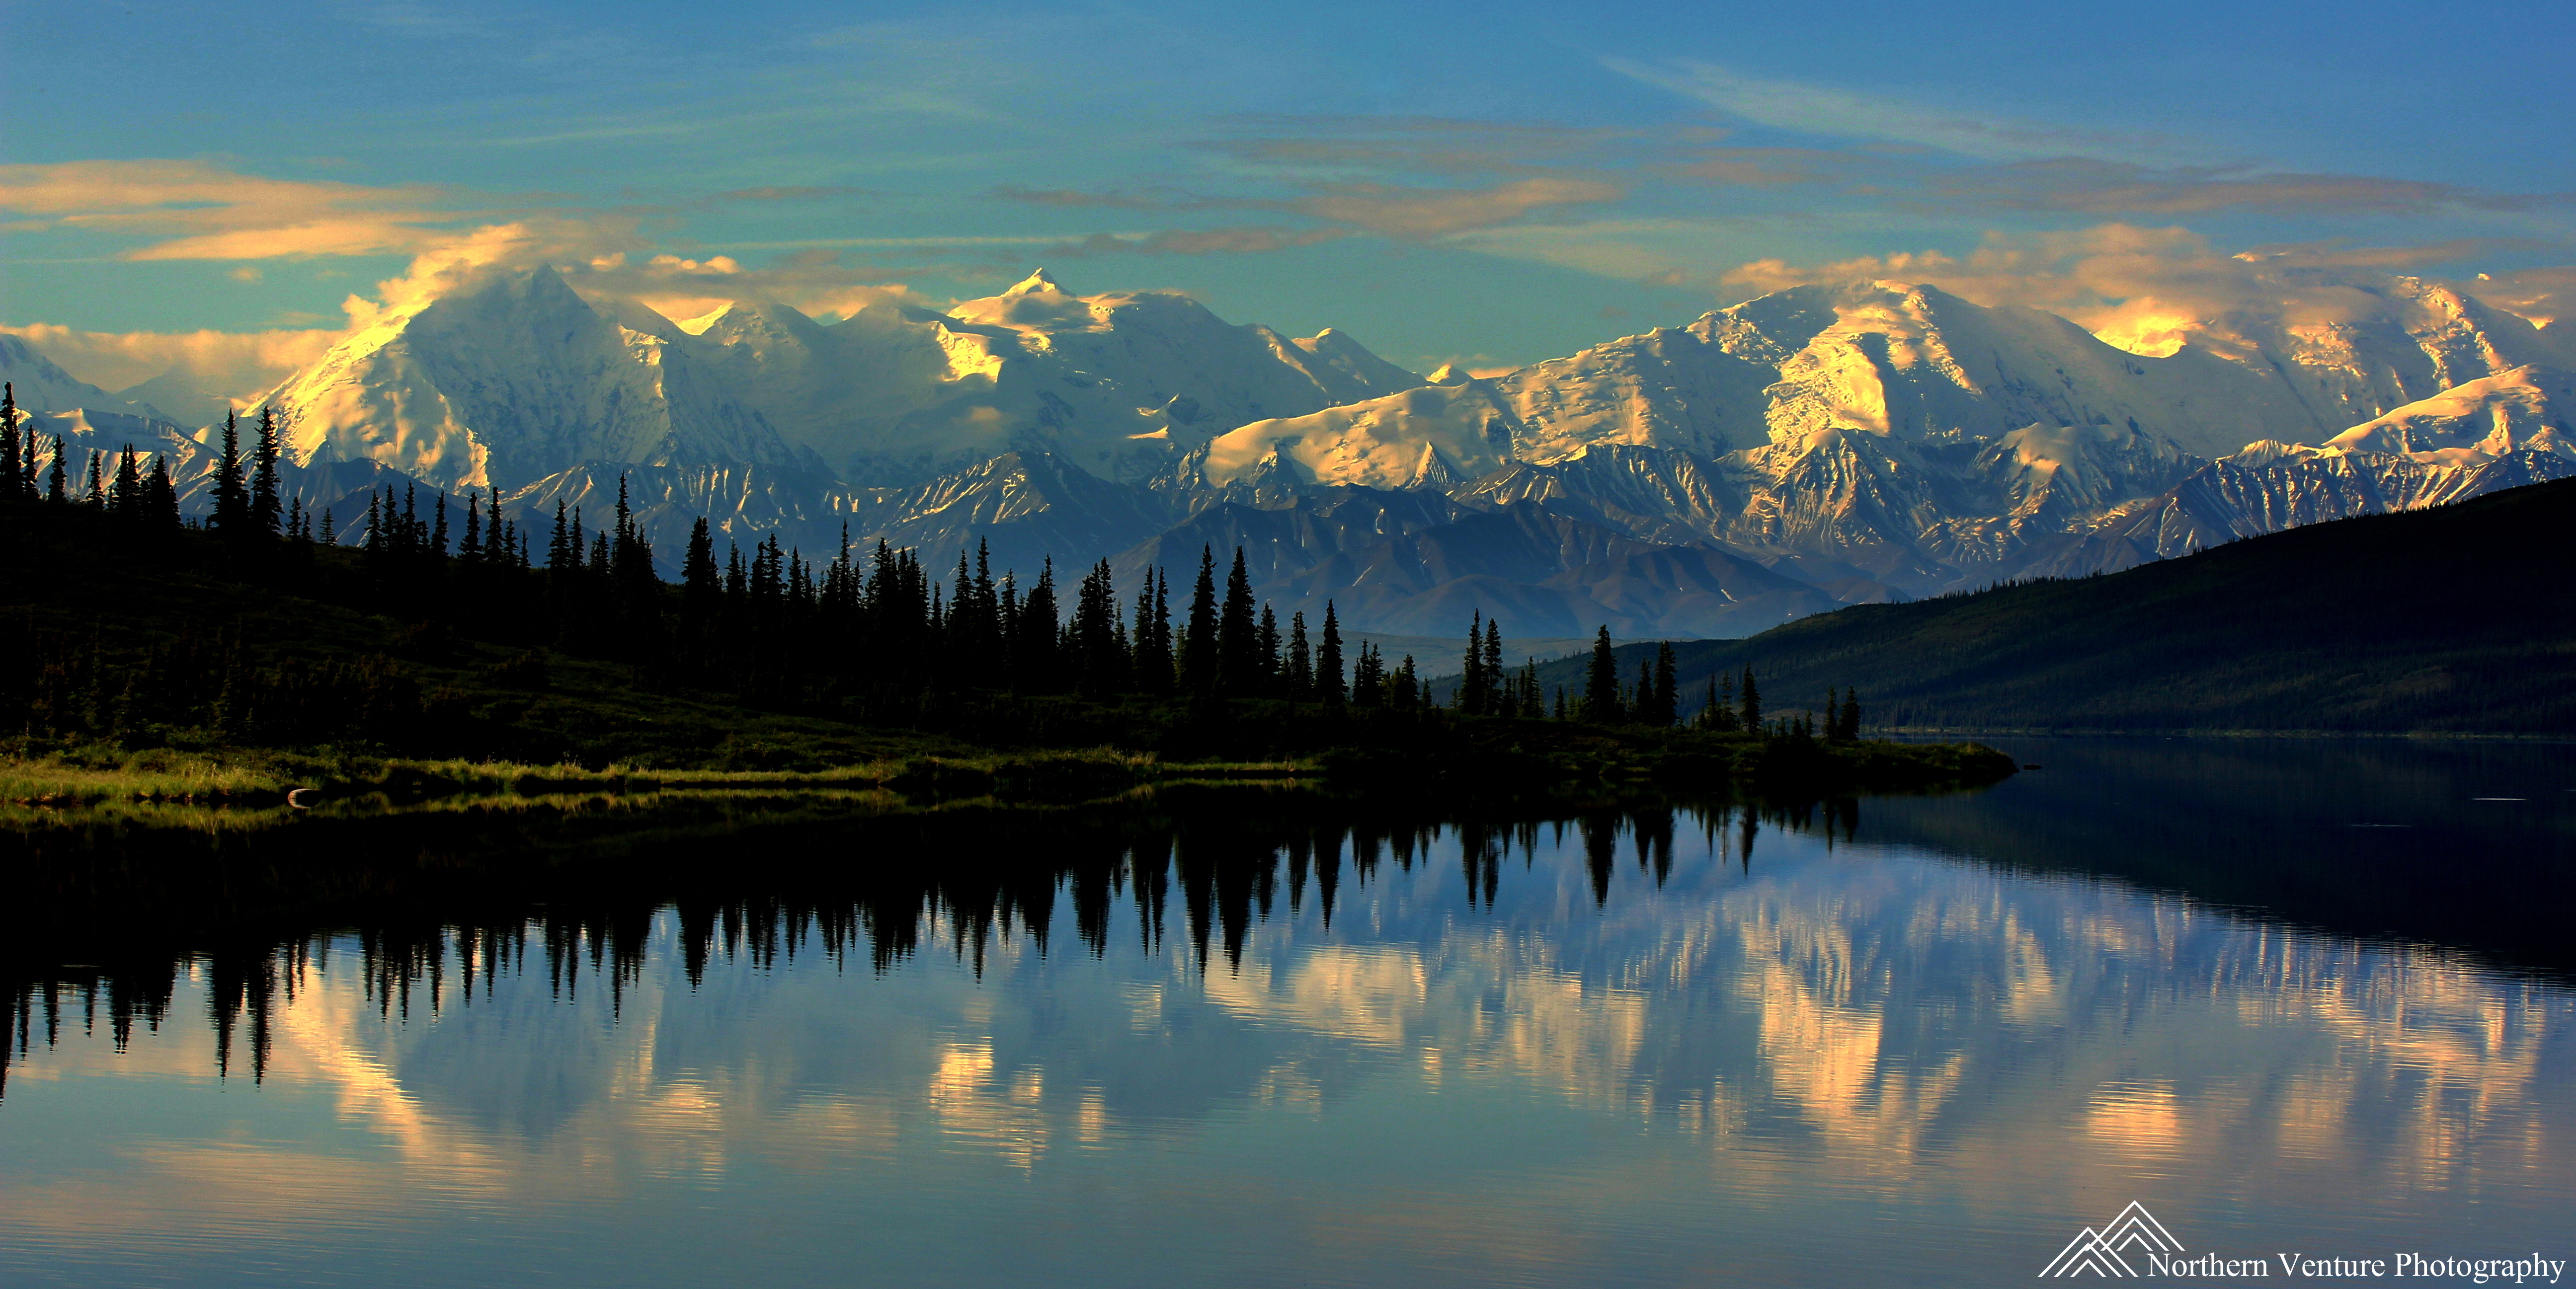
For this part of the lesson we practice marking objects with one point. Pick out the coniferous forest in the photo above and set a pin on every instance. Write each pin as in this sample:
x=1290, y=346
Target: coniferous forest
x=448, y=630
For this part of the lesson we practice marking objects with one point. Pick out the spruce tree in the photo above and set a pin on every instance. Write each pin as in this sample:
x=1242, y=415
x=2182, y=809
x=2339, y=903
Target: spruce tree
x=161, y=496
x=700, y=586
x=1328, y=659
x=1198, y=646
x=1265, y=654
x=437, y=532
x=1098, y=655
x=330, y=528
x=1496, y=701
x=1749, y=701
x=1666, y=700
x=1300, y=679
x=1036, y=666
x=559, y=550
x=125, y=497
x=232, y=496
x=56, y=479
x=1152, y=669
x=264, y=511
x=10, y=449
x=1601, y=683
x=1237, y=635
x=469, y=548
x=1471, y=679
x=1406, y=686
x=1368, y=677
x=1150, y=666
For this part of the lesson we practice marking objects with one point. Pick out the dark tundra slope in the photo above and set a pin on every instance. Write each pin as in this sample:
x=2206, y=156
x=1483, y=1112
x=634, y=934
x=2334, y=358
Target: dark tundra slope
x=2451, y=620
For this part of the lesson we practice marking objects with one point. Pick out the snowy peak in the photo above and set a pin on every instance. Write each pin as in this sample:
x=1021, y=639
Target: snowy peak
x=42, y=386
x=515, y=379
x=1360, y=373
x=1038, y=283
x=2528, y=408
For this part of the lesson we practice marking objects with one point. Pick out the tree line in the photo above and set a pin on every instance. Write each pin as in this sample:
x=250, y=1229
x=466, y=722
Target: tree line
x=866, y=634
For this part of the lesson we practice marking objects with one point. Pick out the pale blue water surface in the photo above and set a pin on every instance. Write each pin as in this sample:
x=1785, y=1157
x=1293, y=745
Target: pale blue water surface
x=1899, y=1040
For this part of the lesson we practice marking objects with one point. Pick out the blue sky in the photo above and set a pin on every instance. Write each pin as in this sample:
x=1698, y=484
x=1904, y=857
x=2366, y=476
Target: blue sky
x=1492, y=183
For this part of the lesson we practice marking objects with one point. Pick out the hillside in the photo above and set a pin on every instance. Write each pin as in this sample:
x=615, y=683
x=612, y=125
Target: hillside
x=2450, y=620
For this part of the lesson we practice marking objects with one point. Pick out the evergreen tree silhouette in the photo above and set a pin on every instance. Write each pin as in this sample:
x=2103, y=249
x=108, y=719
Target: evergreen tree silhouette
x=232, y=495
x=264, y=509
x=1666, y=701
x=1471, y=680
x=1748, y=699
x=560, y=548
x=161, y=497
x=700, y=583
x=469, y=550
x=1237, y=638
x=1099, y=655
x=1601, y=683
x=56, y=479
x=1300, y=677
x=1198, y=643
x=1368, y=674
x=1328, y=659
x=10, y=449
x=1265, y=655
x=1152, y=668
x=125, y=497
x=1036, y=668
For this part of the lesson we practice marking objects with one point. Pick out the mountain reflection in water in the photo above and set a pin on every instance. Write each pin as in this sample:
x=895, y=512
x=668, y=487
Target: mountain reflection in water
x=1262, y=1047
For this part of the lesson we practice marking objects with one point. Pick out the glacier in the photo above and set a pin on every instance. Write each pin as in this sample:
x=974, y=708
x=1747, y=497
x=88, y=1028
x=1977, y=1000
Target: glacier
x=1818, y=446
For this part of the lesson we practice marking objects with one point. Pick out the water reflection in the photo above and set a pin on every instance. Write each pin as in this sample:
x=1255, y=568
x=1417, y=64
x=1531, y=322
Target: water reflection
x=1624, y=1046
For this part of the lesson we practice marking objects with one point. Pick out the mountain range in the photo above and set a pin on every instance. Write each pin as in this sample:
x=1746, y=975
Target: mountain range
x=2388, y=623
x=1815, y=447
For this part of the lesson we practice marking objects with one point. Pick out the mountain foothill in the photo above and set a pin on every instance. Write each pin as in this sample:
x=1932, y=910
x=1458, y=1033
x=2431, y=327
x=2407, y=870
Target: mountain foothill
x=1821, y=446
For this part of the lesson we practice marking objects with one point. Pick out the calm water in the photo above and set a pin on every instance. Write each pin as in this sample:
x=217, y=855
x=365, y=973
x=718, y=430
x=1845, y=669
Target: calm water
x=2290, y=997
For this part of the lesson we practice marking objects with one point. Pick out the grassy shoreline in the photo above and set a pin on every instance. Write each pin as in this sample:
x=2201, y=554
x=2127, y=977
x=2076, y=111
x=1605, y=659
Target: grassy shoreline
x=1508, y=758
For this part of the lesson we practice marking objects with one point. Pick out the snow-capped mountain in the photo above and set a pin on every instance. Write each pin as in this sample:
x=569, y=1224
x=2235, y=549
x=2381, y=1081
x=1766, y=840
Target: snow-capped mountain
x=1115, y=382
x=2526, y=409
x=515, y=380
x=1817, y=446
x=41, y=386
x=518, y=377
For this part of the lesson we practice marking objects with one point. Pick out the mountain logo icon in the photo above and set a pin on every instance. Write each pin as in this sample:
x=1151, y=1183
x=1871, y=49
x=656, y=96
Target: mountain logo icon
x=2098, y=1252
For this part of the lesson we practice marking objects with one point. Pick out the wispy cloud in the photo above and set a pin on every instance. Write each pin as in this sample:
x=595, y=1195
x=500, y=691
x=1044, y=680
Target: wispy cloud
x=1404, y=212
x=2149, y=289
x=2120, y=188
x=230, y=364
x=1841, y=113
x=193, y=210
x=1199, y=241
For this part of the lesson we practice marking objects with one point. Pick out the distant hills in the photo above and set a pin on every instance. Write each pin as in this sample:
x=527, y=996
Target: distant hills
x=2449, y=620
x=1813, y=448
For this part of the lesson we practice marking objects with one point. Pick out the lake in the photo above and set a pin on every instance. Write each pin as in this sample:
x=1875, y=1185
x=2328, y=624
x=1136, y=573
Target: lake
x=2297, y=997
